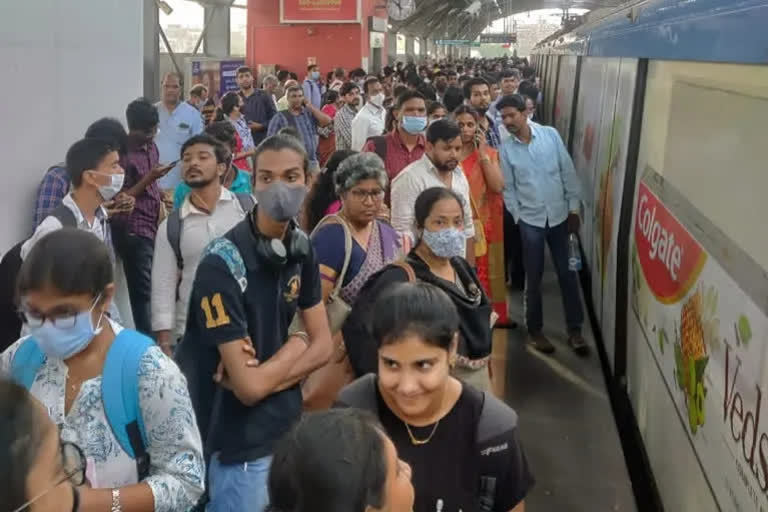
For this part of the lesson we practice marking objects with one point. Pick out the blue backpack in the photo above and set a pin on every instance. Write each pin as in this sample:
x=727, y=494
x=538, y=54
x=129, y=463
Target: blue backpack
x=119, y=389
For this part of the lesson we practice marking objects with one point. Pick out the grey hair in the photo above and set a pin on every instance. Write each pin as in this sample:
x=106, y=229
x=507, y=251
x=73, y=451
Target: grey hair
x=358, y=167
x=270, y=78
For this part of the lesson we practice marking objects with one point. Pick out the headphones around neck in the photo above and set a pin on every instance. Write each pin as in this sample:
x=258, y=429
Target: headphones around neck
x=275, y=252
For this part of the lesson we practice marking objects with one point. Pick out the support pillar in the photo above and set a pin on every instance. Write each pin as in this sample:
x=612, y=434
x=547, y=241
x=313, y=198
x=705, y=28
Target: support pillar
x=217, y=35
x=409, y=50
x=151, y=41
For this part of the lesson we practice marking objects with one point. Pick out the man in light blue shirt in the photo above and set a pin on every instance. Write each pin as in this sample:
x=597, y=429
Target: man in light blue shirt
x=542, y=192
x=313, y=88
x=179, y=121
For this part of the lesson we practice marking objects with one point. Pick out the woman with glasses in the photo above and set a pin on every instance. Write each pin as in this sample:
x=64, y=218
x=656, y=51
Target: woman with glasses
x=38, y=472
x=322, y=199
x=361, y=180
x=65, y=287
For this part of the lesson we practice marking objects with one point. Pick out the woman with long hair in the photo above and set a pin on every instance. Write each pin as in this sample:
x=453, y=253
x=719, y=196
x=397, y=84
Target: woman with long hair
x=438, y=259
x=322, y=200
x=332, y=102
x=338, y=461
x=461, y=442
x=480, y=164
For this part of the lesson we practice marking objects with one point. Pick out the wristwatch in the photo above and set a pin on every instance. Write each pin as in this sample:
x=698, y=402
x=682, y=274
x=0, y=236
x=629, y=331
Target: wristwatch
x=116, y=506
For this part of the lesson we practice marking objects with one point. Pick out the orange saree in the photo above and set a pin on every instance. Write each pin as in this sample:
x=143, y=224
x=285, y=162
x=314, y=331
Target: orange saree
x=488, y=212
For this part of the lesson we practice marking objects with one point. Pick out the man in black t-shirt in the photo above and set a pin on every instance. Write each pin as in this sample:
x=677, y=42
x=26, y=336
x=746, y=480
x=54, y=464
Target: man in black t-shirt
x=248, y=287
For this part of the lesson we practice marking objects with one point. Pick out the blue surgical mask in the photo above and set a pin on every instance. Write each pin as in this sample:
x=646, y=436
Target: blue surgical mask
x=64, y=342
x=315, y=75
x=414, y=124
x=446, y=243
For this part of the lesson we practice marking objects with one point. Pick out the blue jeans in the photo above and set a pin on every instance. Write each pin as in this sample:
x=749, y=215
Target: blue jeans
x=556, y=237
x=238, y=487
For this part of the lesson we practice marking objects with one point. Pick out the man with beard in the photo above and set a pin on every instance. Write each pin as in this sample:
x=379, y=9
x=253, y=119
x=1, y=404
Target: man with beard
x=439, y=167
x=258, y=105
x=477, y=93
x=542, y=194
x=209, y=211
x=342, y=123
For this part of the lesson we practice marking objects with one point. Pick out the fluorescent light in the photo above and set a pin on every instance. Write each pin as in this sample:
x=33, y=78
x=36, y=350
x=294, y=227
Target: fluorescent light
x=163, y=6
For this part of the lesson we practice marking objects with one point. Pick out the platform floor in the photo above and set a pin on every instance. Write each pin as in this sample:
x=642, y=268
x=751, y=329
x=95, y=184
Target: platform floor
x=566, y=423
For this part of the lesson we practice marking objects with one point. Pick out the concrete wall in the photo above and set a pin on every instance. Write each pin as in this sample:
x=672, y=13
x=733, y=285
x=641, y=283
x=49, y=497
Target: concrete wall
x=65, y=64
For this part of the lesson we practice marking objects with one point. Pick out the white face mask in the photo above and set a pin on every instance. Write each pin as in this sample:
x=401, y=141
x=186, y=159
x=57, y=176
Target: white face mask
x=111, y=190
x=377, y=99
x=530, y=116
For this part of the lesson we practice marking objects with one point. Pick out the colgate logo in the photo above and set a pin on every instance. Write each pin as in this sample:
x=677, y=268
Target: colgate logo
x=670, y=257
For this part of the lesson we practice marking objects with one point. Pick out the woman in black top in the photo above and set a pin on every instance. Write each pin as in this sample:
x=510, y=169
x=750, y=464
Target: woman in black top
x=461, y=443
x=436, y=259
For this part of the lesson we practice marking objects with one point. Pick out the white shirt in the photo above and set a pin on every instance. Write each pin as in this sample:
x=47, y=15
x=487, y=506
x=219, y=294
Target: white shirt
x=173, y=131
x=369, y=122
x=99, y=227
x=415, y=179
x=197, y=230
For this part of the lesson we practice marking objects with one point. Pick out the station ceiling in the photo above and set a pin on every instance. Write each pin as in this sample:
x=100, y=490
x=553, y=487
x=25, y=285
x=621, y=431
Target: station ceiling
x=450, y=19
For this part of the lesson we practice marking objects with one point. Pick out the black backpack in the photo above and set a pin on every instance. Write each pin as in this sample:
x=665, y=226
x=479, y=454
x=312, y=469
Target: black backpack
x=10, y=322
x=175, y=222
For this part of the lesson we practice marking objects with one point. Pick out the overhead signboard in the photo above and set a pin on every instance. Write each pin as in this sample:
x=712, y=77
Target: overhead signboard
x=506, y=38
x=319, y=11
x=456, y=42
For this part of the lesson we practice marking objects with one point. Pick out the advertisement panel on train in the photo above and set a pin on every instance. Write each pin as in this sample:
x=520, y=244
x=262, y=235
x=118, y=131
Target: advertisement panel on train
x=564, y=101
x=707, y=335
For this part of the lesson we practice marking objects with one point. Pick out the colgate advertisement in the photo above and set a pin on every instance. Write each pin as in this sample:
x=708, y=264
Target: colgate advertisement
x=708, y=338
x=671, y=259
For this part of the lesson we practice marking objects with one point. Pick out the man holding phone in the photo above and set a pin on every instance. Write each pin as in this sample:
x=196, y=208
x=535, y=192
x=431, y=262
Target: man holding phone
x=134, y=232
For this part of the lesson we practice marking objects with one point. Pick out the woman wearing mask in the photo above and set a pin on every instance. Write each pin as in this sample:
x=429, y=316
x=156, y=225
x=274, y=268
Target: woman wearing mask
x=322, y=199
x=461, y=443
x=336, y=461
x=39, y=473
x=75, y=362
x=332, y=102
x=361, y=181
x=480, y=164
x=436, y=259
x=231, y=105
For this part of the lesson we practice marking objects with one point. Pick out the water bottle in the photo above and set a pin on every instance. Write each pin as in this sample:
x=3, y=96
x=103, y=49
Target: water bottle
x=574, y=256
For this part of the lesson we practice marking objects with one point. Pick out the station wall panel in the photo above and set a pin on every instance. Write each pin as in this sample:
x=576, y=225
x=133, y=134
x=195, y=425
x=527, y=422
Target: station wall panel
x=65, y=64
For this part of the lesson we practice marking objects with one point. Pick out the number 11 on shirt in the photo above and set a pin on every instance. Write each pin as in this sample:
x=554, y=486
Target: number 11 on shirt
x=215, y=315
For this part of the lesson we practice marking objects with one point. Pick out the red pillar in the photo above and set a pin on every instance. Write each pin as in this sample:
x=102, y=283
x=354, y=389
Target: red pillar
x=291, y=45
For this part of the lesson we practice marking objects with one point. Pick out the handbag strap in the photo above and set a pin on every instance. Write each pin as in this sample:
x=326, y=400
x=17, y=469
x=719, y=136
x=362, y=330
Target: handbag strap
x=347, y=249
x=407, y=268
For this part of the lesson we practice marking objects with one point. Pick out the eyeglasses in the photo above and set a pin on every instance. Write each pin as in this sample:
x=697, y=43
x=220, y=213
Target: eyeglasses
x=373, y=195
x=74, y=464
x=62, y=321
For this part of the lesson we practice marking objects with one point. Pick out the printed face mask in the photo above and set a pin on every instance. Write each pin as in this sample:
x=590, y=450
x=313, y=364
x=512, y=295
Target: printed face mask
x=446, y=243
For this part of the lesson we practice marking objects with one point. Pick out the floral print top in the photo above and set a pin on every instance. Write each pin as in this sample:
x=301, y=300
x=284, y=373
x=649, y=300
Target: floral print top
x=177, y=471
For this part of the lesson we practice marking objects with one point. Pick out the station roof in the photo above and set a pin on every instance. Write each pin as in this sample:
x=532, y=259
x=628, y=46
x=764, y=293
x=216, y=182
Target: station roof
x=466, y=19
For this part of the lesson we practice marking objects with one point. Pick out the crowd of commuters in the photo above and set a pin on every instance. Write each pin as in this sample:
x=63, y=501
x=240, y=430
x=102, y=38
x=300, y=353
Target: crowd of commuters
x=199, y=283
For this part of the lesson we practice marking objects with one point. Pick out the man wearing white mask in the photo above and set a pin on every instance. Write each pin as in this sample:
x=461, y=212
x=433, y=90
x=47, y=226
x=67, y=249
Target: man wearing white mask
x=94, y=169
x=369, y=122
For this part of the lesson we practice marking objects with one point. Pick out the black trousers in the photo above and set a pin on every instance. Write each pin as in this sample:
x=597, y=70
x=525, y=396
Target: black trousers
x=137, y=253
x=513, y=251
